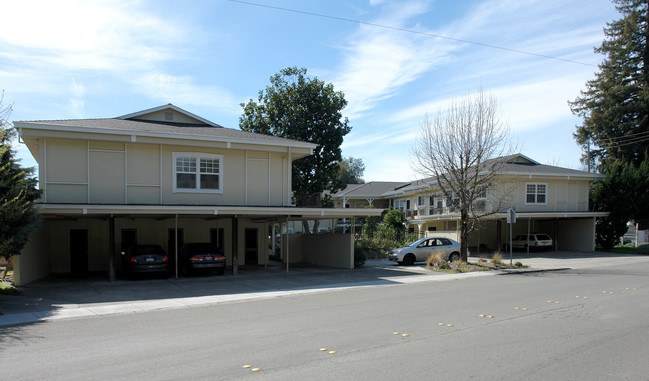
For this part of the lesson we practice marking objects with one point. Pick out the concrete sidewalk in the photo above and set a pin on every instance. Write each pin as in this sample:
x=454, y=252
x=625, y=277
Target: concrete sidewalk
x=60, y=298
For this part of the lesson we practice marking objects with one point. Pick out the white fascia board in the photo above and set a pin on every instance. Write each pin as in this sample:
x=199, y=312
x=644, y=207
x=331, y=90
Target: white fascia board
x=563, y=176
x=90, y=209
x=523, y=215
x=128, y=134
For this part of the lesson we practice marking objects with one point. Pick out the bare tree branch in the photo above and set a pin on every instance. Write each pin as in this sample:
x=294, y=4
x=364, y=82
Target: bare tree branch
x=461, y=150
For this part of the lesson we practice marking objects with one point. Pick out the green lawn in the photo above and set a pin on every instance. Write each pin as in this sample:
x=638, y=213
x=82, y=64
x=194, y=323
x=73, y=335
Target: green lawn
x=628, y=249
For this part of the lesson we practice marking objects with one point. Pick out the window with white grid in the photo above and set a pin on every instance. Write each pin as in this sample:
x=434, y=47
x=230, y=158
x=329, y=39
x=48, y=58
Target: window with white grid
x=536, y=193
x=197, y=172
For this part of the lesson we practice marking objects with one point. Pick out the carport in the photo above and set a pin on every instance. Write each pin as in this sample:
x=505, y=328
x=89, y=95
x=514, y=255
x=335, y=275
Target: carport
x=573, y=231
x=103, y=228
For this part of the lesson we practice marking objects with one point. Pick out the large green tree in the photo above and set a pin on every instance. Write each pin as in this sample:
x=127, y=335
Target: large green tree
x=351, y=171
x=622, y=193
x=18, y=192
x=615, y=111
x=296, y=106
x=615, y=105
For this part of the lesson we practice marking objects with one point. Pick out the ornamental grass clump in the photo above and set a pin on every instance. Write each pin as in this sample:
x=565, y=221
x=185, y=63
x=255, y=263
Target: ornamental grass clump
x=436, y=262
x=497, y=258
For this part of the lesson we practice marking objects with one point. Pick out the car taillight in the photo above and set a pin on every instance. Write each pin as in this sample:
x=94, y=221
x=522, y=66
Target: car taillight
x=536, y=243
x=195, y=258
x=220, y=257
x=133, y=260
x=165, y=258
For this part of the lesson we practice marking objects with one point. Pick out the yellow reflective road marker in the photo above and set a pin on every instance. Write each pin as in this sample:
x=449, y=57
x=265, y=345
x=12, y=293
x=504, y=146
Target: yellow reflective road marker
x=525, y=308
x=405, y=335
x=490, y=316
x=440, y=324
x=628, y=288
x=549, y=301
x=577, y=296
x=395, y=333
x=332, y=352
x=517, y=308
x=634, y=288
x=255, y=369
x=585, y=297
x=611, y=292
x=449, y=325
x=481, y=315
x=557, y=302
x=247, y=366
x=323, y=349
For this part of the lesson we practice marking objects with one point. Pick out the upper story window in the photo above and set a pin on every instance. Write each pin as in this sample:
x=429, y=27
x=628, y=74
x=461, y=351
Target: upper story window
x=197, y=172
x=399, y=204
x=421, y=200
x=481, y=192
x=536, y=193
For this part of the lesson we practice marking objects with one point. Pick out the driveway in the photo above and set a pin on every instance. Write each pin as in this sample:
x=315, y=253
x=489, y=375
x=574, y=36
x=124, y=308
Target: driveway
x=61, y=297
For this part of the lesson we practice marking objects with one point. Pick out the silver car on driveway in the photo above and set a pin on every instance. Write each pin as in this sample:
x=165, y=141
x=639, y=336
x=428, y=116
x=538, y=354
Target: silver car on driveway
x=423, y=248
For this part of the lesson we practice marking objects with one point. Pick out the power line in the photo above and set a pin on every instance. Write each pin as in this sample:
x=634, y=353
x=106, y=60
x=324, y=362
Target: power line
x=408, y=31
x=629, y=136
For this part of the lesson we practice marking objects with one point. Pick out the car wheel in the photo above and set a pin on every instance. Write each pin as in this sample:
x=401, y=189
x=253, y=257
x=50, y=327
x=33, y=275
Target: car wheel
x=409, y=260
x=454, y=257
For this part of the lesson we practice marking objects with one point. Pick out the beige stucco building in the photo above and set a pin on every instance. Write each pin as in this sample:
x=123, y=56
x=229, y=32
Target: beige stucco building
x=166, y=176
x=546, y=199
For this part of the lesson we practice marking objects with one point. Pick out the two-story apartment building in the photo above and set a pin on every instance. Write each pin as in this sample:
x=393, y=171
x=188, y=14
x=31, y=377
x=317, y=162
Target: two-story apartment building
x=546, y=199
x=166, y=176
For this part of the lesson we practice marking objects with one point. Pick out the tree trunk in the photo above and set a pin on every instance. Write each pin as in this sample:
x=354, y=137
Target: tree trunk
x=464, y=234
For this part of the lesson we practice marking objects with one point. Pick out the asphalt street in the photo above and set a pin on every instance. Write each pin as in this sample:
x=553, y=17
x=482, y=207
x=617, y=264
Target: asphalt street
x=584, y=324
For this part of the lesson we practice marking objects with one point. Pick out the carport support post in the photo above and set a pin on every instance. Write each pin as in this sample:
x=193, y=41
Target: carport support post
x=235, y=245
x=176, y=243
x=528, y=235
x=288, y=245
x=111, y=248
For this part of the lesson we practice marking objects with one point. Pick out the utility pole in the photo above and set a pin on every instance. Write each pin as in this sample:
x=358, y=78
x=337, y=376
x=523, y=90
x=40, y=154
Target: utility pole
x=588, y=154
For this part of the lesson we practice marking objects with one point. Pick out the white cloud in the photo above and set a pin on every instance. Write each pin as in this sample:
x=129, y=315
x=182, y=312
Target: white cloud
x=76, y=101
x=182, y=90
x=74, y=34
x=378, y=62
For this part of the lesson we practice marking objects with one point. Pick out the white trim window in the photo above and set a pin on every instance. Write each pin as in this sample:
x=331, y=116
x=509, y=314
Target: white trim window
x=421, y=200
x=400, y=204
x=481, y=192
x=536, y=193
x=197, y=172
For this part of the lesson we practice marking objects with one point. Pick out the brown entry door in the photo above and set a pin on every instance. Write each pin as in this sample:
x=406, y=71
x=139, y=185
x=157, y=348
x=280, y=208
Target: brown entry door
x=78, y=251
x=251, y=247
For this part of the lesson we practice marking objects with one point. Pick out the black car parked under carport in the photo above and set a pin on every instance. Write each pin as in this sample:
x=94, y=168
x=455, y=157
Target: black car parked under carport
x=145, y=259
x=202, y=256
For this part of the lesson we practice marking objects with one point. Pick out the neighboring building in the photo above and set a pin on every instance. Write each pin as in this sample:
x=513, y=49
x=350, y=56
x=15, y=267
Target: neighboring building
x=546, y=198
x=166, y=176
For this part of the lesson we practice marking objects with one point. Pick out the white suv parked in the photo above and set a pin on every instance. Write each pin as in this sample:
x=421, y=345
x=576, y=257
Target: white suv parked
x=537, y=241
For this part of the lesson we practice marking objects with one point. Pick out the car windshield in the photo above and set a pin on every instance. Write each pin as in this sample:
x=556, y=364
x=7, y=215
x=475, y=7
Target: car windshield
x=417, y=242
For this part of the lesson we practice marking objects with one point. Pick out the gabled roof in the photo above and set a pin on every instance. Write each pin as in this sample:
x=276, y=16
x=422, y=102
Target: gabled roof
x=146, y=123
x=512, y=165
x=143, y=113
x=371, y=189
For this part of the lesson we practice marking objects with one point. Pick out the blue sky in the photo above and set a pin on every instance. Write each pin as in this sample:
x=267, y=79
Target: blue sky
x=96, y=59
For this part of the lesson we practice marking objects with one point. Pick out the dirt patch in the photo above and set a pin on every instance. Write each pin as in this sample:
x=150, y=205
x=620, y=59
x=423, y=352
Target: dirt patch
x=465, y=267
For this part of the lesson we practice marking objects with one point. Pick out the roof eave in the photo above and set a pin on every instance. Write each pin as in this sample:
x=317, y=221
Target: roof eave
x=108, y=131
